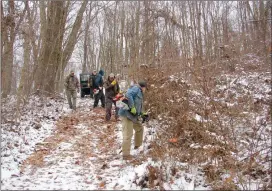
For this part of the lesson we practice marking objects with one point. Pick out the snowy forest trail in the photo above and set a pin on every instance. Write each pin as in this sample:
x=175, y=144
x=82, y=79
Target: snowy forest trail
x=81, y=153
x=52, y=148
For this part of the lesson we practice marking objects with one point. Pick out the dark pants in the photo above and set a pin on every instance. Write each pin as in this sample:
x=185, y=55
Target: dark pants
x=100, y=96
x=109, y=103
x=91, y=92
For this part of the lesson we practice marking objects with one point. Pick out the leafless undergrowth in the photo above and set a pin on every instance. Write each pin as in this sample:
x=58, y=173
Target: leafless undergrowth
x=229, y=137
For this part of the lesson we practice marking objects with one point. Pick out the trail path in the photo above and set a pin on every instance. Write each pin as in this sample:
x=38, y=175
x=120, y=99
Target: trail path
x=82, y=153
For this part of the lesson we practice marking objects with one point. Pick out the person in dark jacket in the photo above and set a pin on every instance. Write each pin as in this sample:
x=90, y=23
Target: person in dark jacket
x=98, y=89
x=130, y=118
x=111, y=90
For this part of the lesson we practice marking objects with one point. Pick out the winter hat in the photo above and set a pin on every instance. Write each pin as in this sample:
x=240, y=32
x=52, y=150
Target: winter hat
x=143, y=84
x=101, y=72
x=72, y=71
x=111, y=75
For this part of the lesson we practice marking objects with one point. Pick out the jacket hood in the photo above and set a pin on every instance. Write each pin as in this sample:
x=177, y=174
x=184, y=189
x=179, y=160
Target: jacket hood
x=101, y=72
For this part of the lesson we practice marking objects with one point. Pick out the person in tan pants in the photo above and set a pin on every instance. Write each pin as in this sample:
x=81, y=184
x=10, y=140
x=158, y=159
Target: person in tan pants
x=130, y=118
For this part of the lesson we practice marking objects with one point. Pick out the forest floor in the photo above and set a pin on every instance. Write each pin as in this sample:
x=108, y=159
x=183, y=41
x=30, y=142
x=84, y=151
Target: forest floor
x=56, y=148
x=48, y=146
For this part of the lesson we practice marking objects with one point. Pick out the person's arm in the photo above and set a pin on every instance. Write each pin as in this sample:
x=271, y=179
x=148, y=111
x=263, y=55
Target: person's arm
x=118, y=87
x=93, y=81
x=101, y=82
x=66, y=82
x=108, y=85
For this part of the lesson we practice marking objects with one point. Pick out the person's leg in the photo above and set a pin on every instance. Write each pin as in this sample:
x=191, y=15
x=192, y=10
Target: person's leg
x=102, y=98
x=96, y=99
x=74, y=94
x=108, y=109
x=68, y=94
x=138, y=137
x=127, y=127
x=99, y=97
x=116, y=110
x=91, y=93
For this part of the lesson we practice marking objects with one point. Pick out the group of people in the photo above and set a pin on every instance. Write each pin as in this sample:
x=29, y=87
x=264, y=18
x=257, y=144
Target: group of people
x=130, y=117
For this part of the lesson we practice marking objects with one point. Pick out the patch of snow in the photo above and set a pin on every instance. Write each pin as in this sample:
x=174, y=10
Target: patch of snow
x=198, y=117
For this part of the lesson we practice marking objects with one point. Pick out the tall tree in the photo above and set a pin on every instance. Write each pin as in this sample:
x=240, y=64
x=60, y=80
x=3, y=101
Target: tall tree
x=9, y=30
x=53, y=57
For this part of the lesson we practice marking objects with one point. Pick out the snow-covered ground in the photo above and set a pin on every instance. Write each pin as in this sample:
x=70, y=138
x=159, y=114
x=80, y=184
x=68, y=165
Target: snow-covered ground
x=54, y=148
x=51, y=147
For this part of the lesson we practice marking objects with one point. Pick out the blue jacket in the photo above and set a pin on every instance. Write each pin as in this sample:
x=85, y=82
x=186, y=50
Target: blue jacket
x=99, y=80
x=135, y=98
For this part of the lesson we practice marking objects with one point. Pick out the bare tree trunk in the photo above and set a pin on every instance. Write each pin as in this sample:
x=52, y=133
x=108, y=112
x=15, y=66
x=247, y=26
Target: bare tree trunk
x=86, y=38
x=24, y=87
x=146, y=42
x=121, y=55
x=53, y=58
x=68, y=50
x=9, y=32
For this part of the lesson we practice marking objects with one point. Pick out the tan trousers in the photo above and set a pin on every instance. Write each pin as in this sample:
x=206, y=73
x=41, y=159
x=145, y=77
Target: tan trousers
x=128, y=127
x=72, y=102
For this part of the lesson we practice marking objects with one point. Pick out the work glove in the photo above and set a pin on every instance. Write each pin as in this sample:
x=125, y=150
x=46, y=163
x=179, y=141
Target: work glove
x=113, y=82
x=133, y=110
x=145, y=117
x=143, y=113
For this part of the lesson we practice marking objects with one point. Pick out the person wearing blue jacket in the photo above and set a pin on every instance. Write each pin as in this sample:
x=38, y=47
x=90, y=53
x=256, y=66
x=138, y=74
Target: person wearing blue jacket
x=130, y=118
x=98, y=89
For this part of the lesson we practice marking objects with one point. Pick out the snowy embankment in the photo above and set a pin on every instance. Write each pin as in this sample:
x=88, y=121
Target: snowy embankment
x=20, y=135
x=240, y=106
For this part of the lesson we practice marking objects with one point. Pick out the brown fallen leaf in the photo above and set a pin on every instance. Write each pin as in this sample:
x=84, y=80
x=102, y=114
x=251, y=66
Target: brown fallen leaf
x=102, y=184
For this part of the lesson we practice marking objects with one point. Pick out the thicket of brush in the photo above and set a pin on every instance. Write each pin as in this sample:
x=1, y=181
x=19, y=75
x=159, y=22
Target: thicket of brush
x=176, y=95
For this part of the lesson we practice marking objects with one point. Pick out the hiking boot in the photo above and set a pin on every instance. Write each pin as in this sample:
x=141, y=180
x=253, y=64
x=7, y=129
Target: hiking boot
x=127, y=157
x=136, y=147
